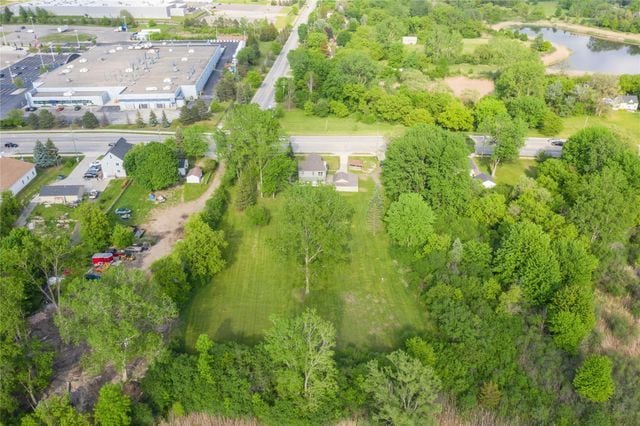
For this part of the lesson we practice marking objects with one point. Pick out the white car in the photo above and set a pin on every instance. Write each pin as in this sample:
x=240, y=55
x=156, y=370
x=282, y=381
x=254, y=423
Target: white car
x=29, y=30
x=93, y=194
x=95, y=164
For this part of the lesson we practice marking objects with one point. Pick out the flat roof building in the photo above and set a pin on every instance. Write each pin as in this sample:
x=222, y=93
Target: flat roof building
x=148, y=9
x=132, y=77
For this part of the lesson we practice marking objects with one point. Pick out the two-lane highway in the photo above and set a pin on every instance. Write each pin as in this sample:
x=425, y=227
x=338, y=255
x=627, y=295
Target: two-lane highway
x=265, y=95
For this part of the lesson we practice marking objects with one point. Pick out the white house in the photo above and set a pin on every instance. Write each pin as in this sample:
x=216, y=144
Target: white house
x=194, y=175
x=15, y=174
x=409, y=40
x=61, y=194
x=627, y=103
x=313, y=169
x=345, y=182
x=485, y=180
x=113, y=160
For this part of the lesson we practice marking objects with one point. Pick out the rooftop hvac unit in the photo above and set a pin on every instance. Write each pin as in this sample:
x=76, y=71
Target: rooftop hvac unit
x=167, y=80
x=82, y=60
x=128, y=70
x=190, y=50
x=70, y=66
x=112, y=50
x=84, y=69
x=166, y=87
x=184, y=59
x=151, y=88
x=170, y=50
x=119, y=48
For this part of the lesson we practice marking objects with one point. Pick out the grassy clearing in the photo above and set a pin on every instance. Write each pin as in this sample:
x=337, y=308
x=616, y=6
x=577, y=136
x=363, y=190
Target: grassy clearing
x=295, y=122
x=45, y=177
x=52, y=212
x=626, y=124
x=366, y=298
x=68, y=37
x=510, y=173
x=136, y=198
x=549, y=8
x=193, y=191
x=470, y=44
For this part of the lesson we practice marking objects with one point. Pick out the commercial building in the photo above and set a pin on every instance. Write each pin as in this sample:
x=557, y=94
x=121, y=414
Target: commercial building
x=149, y=9
x=133, y=77
x=15, y=174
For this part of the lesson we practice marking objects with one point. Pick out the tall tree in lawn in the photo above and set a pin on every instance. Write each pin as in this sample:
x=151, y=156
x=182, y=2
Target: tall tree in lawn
x=507, y=138
x=9, y=212
x=33, y=121
x=301, y=349
x=139, y=120
x=314, y=227
x=525, y=259
x=441, y=43
x=113, y=407
x=194, y=142
x=593, y=379
x=201, y=248
x=164, y=121
x=153, y=119
x=119, y=320
x=41, y=156
x=432, y=162
x=122, y=236
x=170, y=275
x=410, y=220
x=89, y=120
x=95, y=229
x=253, y=140
x=152, y=165
x=404, y=391
x=279, y=174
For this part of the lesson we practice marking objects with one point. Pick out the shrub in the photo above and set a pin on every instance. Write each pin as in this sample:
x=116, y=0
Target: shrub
x=593, y=379
x=321, y=109
x=339, y=109
x=216, y=107
x=551, y=124
x=258, y=215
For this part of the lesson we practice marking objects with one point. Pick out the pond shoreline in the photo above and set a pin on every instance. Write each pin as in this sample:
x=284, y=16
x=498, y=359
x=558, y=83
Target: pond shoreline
x=601, y=33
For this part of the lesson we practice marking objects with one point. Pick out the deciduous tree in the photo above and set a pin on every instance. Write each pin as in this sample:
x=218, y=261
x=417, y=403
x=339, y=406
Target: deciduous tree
x=122, y=236
x=593, y=379
x=95, y=229
x=201, y=248
x=153, y=165
x=113, y=407
x=89, y=120
x=410, y=220
x=507, y=137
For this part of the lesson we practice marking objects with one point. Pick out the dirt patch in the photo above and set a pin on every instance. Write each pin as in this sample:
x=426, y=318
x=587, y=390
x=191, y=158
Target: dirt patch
x=558, y=55
x=166, y=225
x=463, y=85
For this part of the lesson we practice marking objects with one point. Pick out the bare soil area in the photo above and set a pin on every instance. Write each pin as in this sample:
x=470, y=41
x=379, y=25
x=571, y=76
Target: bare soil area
x=166, y=225
x=461, y=84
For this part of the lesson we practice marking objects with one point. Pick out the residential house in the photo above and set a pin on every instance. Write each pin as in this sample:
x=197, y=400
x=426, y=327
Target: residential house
x=345, y=182
x=625, y=103
x=194, y=175
x=312, y=169
x=183, y=167
x=15, y=174
x=113, y=160
x=61, y=194
x=484, y=179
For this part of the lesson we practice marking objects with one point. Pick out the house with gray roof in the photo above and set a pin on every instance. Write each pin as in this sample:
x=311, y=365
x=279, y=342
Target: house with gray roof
x=312, y=169
x=113, y=160
x=345, y=182
x=61, y=194
x=626, y=103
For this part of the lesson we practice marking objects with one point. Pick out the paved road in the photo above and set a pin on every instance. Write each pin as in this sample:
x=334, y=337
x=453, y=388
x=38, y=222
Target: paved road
x=265, y=95
x=374, y=145
x=532, y=147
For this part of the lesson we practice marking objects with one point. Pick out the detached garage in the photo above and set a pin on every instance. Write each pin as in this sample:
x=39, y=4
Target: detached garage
x=61, y=194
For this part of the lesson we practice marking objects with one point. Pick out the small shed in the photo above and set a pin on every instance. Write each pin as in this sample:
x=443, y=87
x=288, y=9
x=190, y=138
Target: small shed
x=409, y=40
x=194, y=175
x=345, y=182
x=61, y=194
x=183, y=167
x=485, y=180
x=356, y=164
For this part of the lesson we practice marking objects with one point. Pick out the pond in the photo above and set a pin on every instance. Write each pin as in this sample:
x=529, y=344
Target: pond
x=591, y=54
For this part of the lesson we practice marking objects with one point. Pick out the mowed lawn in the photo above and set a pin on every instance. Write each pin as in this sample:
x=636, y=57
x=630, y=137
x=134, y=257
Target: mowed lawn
x=296, y=122
x=366, y=297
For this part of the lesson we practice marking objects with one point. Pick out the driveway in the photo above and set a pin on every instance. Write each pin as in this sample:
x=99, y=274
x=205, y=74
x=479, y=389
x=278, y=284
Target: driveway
x=75, y=177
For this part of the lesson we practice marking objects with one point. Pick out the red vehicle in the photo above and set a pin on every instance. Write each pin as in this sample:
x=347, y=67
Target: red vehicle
x=59, y=108
x=102, y=258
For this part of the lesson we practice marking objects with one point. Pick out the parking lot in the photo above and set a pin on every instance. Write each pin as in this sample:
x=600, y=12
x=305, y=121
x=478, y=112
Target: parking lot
x=76, y=176
x=28, y=70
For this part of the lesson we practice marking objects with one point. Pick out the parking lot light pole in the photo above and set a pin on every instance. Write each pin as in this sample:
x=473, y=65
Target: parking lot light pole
x=53, y=59
x=73, y=139
x=10, y=73
x=77, y=38
x=4, y=38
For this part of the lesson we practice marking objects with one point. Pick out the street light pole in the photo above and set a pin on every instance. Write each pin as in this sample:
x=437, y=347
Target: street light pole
x=53, y=59
x=77, y=38
x=10, y=73
x=73, y=138
x=4, y=39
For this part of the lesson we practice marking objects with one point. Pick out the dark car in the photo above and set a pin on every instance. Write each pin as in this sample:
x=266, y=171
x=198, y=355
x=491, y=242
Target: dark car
x=556, y=142
x=91, y=277
x=10, y=145
x=77, y=108
x=31, y=109
x=60, y=177
x=122, y=211
x=90, y=175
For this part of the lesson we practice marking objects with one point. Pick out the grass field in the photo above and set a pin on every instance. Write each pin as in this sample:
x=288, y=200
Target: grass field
x=295, y=122
x=68, y=37
x=366, y=298
x=626, y=124
x=510, y=173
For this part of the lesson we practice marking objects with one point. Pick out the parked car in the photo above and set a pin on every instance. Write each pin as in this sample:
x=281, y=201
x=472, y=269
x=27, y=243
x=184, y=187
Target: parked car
x=77, y=108
x=95, y=163
x=10, y=145
x=91, y=276
x=60, y=177
x=94, y=169
x=122, y=210
x=31, y=109
x=556, y=142
x=90, y=175
x=93, y=194
x=125, y=216
x=60, y=108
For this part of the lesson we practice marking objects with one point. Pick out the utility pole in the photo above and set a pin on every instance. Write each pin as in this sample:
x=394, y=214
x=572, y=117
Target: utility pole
x=53, y=59
x=4, y=39
x=77, y=38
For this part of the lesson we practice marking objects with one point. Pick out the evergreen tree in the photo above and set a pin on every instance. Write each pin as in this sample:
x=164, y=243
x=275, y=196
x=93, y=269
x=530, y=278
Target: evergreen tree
x=46, y=118
x=139, y=121
x=41, y=155
x=247, y=190
x=33, y=121
x=52, y=150
x=153, y=119
x=188, y=115
x=89, y=120
x=165, y=120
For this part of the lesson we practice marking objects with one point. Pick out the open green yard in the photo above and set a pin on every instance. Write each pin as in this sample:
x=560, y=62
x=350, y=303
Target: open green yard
x=45, y=177
x=295, y=122
x=625, y=123
x=67, y=37
x=511, y=172
x=367, y=297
